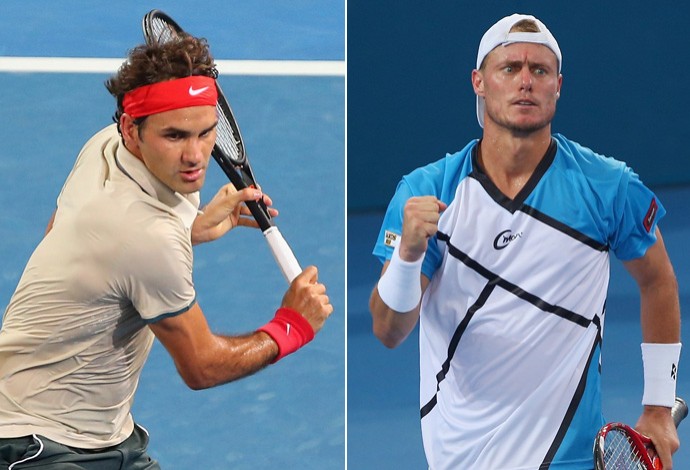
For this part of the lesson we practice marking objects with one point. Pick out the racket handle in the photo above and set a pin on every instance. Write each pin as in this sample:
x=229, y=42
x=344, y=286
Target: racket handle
x=679, y=411
x=282, y=253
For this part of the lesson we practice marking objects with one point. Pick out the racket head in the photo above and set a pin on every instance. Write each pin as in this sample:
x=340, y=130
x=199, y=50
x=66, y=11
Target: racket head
x=619, y=447
x=229, y=141
x=229, y=150
x=160, y=27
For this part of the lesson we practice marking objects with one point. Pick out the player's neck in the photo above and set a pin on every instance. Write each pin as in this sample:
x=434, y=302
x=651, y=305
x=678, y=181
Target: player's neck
x=510, y=161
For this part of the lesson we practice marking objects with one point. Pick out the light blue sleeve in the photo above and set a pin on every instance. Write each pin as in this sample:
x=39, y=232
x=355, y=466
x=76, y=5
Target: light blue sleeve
x=638, y=212
x=438, y=179
x=617, y=209
x=391, y=230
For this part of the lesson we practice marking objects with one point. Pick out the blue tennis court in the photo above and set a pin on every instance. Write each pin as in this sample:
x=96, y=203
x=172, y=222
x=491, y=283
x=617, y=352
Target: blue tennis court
x=291, y=415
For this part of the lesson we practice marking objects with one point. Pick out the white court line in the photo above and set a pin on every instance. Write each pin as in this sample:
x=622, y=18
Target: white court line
x=225, y=67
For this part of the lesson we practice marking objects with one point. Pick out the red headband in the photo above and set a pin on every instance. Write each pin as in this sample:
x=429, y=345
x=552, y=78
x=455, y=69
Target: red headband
x=197, y=90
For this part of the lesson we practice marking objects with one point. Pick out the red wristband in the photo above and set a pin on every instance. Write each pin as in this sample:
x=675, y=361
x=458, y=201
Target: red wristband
x=290, y=330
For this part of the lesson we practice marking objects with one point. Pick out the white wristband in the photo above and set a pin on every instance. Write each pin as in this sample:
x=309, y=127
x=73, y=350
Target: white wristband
x=660, y=364
x=400, y=286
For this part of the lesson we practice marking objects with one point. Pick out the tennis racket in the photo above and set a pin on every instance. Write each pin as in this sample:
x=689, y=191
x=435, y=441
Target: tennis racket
x=229, y=151
x=619, y=447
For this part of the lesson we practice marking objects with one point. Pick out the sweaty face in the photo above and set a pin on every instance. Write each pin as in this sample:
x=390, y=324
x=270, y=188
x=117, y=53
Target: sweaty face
x=176, y=146
x=520, y=84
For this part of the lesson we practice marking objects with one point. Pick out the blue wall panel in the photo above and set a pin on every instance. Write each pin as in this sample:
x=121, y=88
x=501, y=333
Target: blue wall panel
x=410, y=100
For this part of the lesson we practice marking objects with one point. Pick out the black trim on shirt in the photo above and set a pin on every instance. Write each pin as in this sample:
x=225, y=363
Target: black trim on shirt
x=494, y=280
x=512, y=205
x=572, y=409
x=518, y=203
x=510, y=287
x=563, y=228
x=455, y=340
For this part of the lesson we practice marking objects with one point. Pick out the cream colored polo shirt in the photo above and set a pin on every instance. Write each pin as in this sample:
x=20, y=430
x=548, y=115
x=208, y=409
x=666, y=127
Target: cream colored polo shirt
x=74, y=337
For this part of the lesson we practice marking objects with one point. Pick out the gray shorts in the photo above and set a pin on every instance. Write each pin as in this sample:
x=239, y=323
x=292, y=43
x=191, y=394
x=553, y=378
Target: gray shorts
x=39, y=452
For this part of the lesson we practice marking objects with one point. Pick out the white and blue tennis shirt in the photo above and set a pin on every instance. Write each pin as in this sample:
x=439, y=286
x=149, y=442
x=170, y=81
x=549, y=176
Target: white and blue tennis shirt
x=511, y=322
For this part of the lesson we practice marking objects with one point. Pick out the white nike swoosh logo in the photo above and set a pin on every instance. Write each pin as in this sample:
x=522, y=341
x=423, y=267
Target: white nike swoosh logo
x=193, y=92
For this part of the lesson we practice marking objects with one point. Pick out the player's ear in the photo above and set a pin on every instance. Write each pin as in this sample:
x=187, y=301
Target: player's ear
x=478, y=82
x=560, y=83
x=129, y=131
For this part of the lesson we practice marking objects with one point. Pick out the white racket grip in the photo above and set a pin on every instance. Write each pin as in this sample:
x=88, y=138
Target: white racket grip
x=282, y=253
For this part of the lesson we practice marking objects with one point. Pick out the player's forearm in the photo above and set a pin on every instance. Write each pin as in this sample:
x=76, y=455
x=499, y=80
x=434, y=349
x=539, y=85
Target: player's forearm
x=660, y=307
x=228, y=359
x=203, y=231
x=660, y=311
x=389, y=326
x=660, y=321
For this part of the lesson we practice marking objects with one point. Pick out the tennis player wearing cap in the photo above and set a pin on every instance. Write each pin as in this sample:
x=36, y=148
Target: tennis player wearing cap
x=501, y=252
x=115, y=270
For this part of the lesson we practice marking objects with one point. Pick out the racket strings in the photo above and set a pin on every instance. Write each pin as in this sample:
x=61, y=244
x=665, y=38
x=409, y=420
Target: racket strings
x=620, y=453
x=162, y=30
x=226, y=139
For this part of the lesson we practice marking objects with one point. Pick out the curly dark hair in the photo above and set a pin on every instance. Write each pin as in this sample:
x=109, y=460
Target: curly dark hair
x=160, y=61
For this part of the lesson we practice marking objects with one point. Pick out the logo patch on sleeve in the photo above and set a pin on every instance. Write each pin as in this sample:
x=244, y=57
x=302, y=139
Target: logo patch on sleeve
x=391, y=239
x=651, y=215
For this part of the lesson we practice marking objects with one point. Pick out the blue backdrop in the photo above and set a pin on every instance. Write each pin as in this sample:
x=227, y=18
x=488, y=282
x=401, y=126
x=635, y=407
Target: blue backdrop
x=410, y=99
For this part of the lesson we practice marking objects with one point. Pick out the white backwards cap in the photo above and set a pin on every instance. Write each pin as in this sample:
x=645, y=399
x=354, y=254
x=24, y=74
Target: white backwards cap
x=499, y=35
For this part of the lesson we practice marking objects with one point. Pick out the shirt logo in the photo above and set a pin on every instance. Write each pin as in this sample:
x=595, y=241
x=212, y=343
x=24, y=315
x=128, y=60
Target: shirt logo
x=650, y=216
x=193, y=92
x=504, y=238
